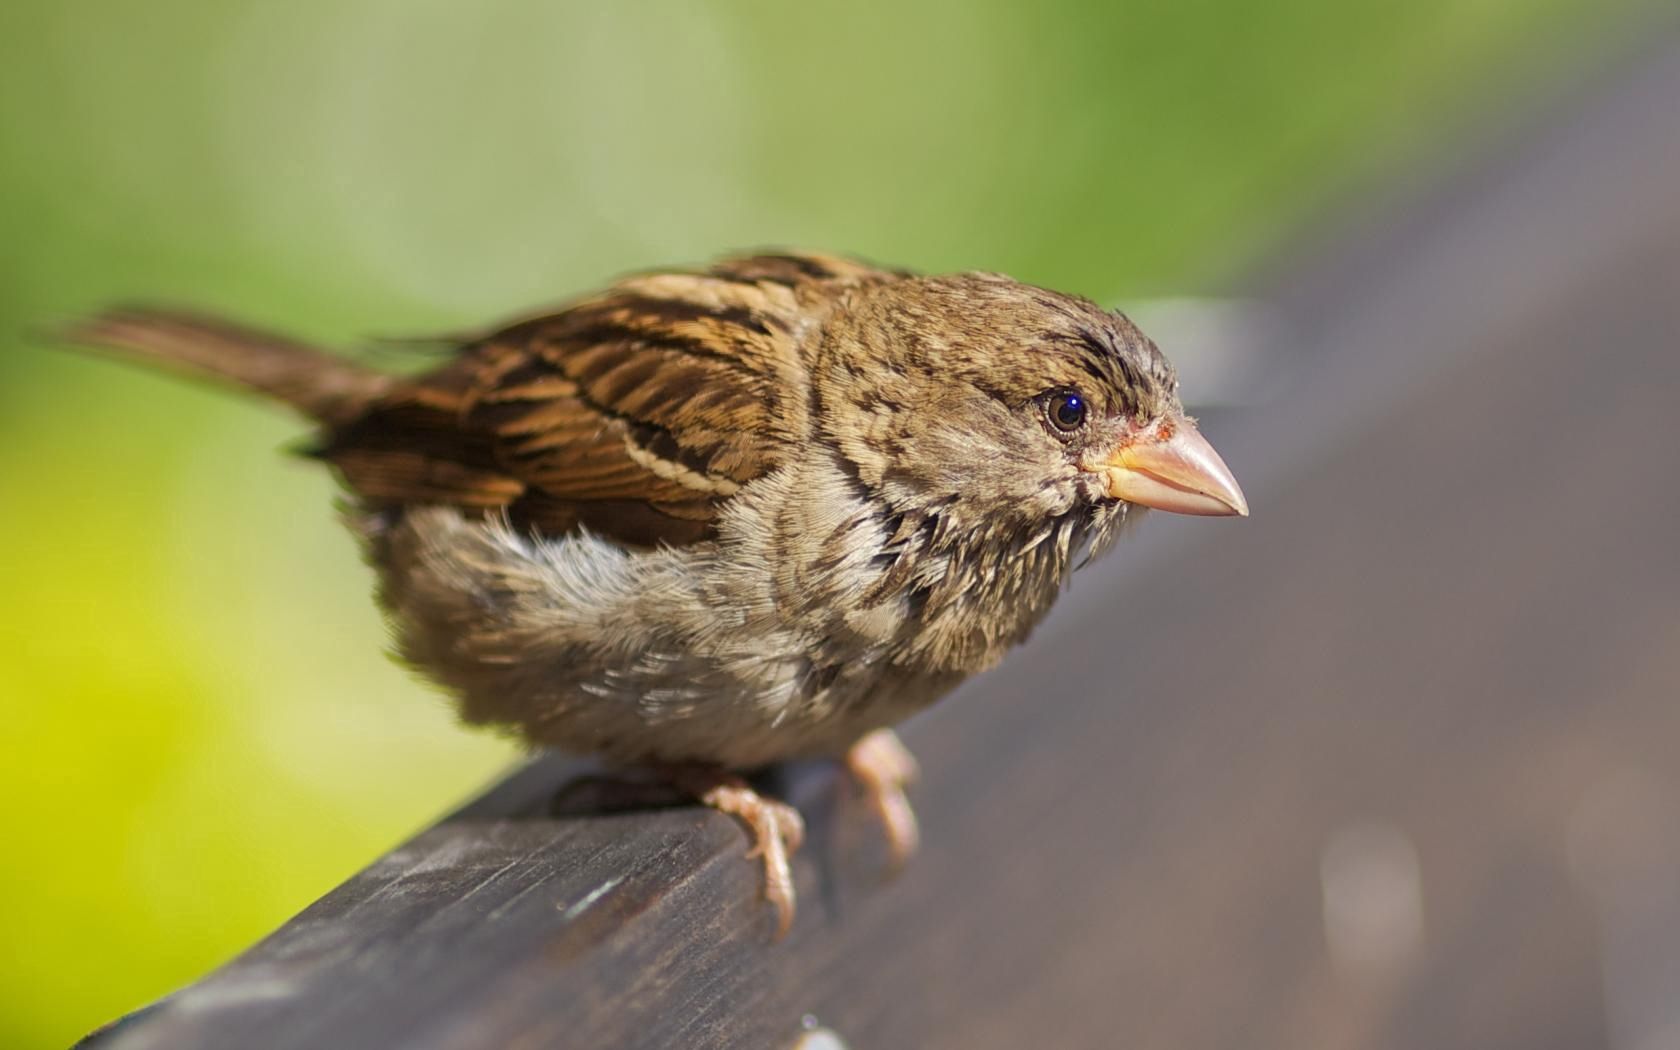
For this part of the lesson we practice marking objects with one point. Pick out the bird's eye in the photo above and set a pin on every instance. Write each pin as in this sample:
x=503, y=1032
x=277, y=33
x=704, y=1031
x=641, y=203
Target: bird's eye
x=1066, y=410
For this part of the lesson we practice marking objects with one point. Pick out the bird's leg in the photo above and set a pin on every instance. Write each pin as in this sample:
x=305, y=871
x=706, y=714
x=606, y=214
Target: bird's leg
x=882, y=766
x=776, y=827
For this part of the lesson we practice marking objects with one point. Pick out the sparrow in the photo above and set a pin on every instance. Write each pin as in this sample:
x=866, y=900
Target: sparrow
x=709, y=520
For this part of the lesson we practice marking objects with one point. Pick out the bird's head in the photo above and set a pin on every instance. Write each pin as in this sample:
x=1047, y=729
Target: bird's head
x=999, y=404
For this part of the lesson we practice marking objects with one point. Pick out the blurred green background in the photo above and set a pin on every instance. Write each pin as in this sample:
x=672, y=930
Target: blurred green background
x=200, y=732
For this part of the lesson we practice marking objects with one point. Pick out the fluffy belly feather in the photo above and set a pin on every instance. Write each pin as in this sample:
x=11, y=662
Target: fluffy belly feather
x=791, y=634
x=659, y=655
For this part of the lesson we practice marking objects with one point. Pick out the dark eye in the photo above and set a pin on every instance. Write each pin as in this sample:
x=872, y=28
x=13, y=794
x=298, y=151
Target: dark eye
x=1066, y=410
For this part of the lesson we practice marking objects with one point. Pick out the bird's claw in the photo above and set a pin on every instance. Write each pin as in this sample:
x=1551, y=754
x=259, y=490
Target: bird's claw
x=882, y=766
x=778, y=831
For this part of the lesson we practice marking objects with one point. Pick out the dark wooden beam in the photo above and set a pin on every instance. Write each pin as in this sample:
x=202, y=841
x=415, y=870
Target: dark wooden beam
x=1393, y=763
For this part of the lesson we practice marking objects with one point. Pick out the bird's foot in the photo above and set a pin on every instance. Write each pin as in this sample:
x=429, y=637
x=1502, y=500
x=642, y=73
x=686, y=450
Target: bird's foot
x=882, y=766
x=776, y=827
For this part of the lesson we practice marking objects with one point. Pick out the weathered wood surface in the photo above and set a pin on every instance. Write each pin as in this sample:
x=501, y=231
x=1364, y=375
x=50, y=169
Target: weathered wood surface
x=1439, y=669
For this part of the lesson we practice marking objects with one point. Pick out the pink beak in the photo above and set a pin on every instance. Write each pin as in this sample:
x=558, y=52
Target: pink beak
x=1171, y=467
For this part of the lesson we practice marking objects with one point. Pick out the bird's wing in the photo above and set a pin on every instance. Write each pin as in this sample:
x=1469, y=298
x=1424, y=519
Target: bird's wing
x=634, y=413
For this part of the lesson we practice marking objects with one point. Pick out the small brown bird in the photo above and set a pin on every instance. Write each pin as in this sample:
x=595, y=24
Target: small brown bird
x=707, y=521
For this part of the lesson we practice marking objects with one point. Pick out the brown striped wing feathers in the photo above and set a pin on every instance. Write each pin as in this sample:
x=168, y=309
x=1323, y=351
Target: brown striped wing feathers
x=634, y=413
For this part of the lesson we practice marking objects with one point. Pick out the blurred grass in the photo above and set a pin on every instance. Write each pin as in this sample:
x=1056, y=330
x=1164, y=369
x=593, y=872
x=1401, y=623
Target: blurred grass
x=200, y=733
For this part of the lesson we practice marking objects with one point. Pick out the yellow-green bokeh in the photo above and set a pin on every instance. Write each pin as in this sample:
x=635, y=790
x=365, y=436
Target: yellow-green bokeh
x=200, y=733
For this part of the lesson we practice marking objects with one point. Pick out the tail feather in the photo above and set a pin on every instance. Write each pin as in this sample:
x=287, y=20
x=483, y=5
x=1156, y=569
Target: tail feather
x=323, y=387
